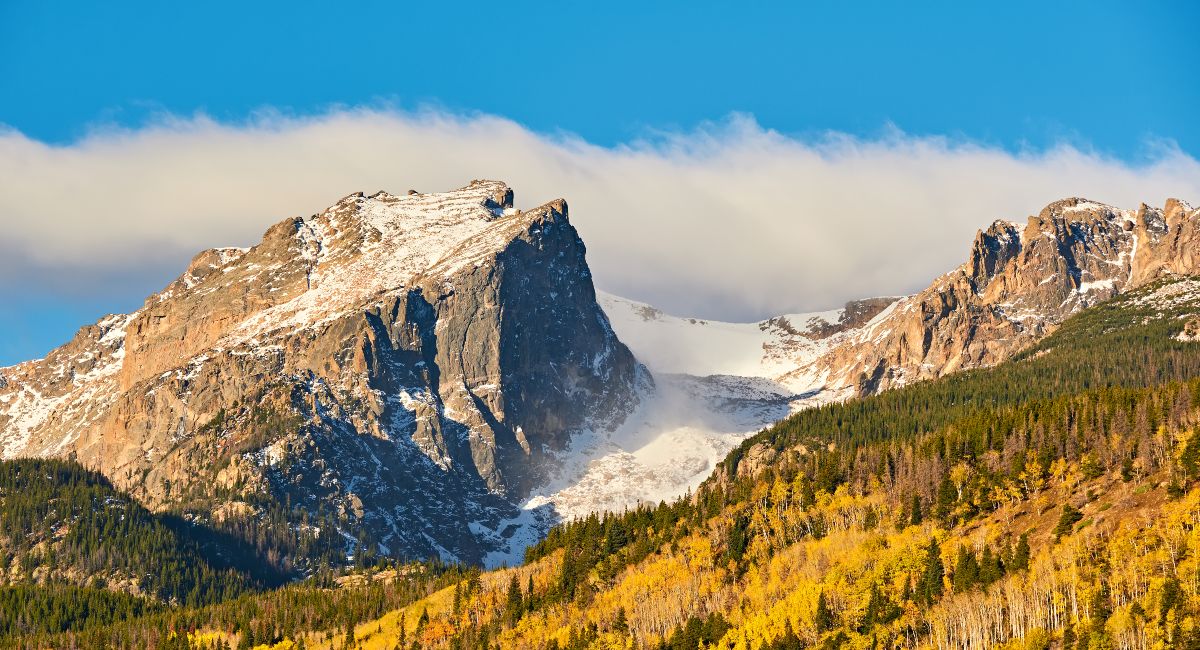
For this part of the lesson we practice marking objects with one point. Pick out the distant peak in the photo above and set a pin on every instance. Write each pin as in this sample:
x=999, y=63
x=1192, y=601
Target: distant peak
x=1176, y=208
x=1078, y=208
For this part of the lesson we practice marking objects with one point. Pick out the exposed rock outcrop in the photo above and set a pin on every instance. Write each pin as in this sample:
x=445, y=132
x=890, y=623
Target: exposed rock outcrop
x=1018, y=283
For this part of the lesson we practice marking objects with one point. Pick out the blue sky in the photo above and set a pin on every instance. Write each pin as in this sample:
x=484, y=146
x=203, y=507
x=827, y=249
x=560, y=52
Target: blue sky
x=1118, y=80
x=1109, y=74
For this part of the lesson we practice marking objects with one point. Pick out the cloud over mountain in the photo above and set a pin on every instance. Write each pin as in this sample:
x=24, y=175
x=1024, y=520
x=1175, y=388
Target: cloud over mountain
x=729, y=220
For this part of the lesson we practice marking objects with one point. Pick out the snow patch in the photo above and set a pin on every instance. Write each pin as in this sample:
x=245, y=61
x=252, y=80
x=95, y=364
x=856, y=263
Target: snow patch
x=1095, y=285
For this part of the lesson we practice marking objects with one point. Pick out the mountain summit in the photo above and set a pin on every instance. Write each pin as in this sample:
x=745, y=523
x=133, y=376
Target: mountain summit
x=1018, y=283
x=400, y=368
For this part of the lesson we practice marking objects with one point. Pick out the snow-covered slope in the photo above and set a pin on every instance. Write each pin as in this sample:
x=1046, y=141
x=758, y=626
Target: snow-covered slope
x=778, y=349
x=715, y=383
x=683, y=426
x=674, y=344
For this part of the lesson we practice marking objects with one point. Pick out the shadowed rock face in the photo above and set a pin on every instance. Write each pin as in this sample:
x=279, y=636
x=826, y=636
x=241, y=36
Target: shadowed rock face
x=410, y=364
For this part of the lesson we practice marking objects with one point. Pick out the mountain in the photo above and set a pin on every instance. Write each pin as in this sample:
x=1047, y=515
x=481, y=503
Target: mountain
x=395, y=370
x=1018, y=284
x=434, y=374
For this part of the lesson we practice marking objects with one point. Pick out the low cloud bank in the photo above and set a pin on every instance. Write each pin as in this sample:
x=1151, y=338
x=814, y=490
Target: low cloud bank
x=727, y=221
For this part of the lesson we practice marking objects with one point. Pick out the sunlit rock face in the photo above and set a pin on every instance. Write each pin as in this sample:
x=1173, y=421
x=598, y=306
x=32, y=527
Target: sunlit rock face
x=1018, y=283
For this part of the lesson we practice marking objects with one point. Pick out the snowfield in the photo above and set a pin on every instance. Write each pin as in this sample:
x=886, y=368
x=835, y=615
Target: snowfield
x=715, y=384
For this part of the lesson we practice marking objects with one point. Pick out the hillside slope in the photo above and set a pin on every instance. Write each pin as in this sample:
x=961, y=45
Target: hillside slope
x=62, y=524
x=721, y=382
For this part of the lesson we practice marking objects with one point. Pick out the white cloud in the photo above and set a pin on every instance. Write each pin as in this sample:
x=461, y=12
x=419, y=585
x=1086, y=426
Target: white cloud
x=729, y=220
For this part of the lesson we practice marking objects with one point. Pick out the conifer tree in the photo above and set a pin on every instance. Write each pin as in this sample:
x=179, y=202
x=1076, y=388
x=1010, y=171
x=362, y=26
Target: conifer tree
x=930, y=586
x=990, y=569
x=620, y=624
x=1020, y=557
x=966, y=570
x=946, y=496
x=823, y=617
x=514, y=604
x=1189, y=460
x=1066, y=522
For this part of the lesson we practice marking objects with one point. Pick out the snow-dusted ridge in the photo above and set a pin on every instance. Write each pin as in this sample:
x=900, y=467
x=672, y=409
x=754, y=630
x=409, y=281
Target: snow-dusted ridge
x=772, y=349
x=367, y=247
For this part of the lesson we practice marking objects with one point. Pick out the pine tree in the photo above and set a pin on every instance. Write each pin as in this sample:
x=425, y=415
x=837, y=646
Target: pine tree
x=930, y=587
x=1189, y=460
x=966, y=570
x=738, y=538
x=874, y=608
x=620, y=624
x=990, y=569
x=1100, y=605
x=946, y=497
x=514, y=605
x=789, y=641
x=823, y=617
x=1066, y=522
x=614, y=535
x=1020, y=557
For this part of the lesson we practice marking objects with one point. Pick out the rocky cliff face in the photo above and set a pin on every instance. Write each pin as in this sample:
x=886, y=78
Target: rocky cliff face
x=408, y=366
x=1018, y=283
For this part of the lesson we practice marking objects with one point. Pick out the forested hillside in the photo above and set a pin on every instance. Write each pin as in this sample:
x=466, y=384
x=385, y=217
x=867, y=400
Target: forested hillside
x=322, y=608
x=63, y=525
x=1049, y=501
